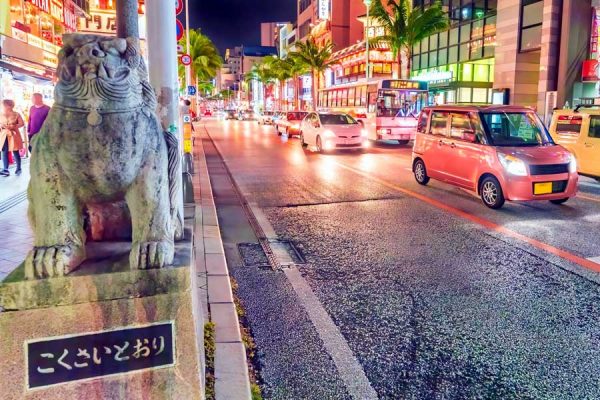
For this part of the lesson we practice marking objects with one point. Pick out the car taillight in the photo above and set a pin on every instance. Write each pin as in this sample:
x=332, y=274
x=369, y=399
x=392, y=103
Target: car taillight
x=570, y=119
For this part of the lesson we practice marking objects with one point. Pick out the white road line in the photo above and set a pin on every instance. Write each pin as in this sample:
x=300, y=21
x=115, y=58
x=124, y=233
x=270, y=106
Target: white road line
x=347, y=365
x=595, y=259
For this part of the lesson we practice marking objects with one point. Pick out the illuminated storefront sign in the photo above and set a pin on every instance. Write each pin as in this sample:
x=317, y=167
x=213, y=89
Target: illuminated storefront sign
x=403, y=84
x=69, y=16
x=43, y=5
x=5, y=18
x=56, y=10
x=34, y=41
x=99, y=22
x=50, y=59
x=324, y=9
x=435, y=76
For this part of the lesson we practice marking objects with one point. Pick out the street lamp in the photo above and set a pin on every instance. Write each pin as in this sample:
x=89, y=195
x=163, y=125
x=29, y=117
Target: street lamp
x=368, y=5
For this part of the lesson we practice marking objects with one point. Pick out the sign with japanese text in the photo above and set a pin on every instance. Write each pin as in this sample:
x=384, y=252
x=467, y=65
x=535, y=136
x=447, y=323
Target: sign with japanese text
x=65, y=359
x=99, y=23
x=43, y=5
x=324, y=9
x=70, y=17
x=403, y=84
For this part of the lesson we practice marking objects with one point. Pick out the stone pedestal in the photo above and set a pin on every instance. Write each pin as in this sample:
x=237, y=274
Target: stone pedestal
x=104, y=295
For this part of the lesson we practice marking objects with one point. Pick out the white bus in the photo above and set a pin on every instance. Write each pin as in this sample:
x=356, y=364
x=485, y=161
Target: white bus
x=388, y=108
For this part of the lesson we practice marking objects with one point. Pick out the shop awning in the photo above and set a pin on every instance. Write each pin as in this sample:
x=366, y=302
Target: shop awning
x=22, y=74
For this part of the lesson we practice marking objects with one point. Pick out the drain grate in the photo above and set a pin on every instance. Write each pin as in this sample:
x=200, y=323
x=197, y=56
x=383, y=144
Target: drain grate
x=287, y=248
x=253, y=255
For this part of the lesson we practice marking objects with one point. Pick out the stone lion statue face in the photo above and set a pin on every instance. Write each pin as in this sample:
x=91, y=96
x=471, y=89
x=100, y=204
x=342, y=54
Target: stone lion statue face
x=100, y=72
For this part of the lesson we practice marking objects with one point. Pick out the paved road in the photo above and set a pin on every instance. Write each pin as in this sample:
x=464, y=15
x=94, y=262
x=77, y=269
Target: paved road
x=433, y=295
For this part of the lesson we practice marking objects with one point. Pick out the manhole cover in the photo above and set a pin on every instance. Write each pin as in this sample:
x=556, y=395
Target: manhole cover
x=253, y=255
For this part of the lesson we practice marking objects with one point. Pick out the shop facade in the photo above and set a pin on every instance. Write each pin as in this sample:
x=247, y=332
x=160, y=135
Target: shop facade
x=459, y=63
x=30, y=38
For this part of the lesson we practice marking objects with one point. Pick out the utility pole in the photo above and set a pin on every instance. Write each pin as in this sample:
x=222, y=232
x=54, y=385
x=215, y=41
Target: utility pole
x=127, y=19
x=368, y=67
x=188, y=68
x=162, y=67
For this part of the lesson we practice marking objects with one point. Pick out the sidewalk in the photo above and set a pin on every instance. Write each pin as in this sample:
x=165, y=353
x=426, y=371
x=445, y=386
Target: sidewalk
x=16, y=238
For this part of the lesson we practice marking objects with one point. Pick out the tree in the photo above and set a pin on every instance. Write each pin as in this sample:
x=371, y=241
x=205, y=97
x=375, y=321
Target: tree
x=263, y=73
x=206, y=60
x=316, y=58
x=406, y=26
x=297, y=68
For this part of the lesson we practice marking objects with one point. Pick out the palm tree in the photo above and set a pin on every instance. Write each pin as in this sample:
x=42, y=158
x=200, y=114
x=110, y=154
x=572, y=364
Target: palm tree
x=297, y=68
x=406, y=26
x=281, y=71
x=263, y=73
x=316, y=58
x=206, y=59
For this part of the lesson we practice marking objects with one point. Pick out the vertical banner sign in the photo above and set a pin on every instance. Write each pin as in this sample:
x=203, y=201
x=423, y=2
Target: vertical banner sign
x=5, y=28
x=324, y=9
x=594, y=35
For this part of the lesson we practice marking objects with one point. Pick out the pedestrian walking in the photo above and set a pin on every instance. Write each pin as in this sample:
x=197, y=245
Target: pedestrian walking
x=37, y=116
x=10, y=135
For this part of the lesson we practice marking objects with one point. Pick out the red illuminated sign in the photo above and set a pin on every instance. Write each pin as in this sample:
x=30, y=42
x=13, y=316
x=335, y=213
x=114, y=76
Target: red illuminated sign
x=69, y=16
x=590, y=71
x=43, y=5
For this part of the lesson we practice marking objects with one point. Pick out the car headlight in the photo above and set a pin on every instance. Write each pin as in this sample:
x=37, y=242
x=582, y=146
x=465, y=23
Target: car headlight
x=329, y=134
x=513, y=165
x=573, y=164
x=364, y=133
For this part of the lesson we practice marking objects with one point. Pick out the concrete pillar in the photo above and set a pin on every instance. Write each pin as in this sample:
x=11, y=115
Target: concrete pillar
x=162, y=67
x=518, y=72
x=549, y=54
x=127, y=18
x=574, y=46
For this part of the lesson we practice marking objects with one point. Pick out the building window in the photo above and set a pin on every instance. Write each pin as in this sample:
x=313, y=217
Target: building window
x=304, y=4
x=530, y=37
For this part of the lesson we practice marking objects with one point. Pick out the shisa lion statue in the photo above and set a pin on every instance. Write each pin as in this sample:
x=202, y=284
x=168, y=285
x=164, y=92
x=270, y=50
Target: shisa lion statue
x=101, y=143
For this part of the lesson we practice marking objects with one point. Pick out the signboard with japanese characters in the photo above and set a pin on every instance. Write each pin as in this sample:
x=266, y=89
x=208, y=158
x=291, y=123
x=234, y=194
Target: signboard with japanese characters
x=324, y=9
x=58, y=360
x=98, y=23
x=403, y=84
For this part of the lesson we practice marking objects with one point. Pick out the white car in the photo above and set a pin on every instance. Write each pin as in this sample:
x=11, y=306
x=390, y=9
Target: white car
x=266, y=118
x=332, y=131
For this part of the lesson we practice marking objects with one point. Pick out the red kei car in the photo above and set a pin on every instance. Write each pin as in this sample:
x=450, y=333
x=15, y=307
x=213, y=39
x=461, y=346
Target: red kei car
x=499, y=152
x=289, y=123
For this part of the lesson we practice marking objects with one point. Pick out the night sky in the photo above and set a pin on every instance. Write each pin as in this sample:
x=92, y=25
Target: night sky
x=233, y=22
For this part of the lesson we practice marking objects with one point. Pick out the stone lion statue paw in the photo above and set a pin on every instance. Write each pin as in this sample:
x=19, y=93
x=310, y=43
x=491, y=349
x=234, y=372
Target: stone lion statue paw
x=53, y=261
x=147, y=255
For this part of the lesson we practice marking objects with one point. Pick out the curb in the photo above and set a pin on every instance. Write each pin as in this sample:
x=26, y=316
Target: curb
x=214, y=288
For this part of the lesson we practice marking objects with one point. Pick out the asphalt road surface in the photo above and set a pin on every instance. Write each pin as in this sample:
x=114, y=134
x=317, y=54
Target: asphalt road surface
x=408, y=292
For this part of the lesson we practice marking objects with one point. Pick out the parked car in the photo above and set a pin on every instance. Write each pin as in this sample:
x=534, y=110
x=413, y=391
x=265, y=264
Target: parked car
x=289, y=123
x=579, y=132
x=499, y=152
x=230, y=114
x=265, y=118
x=332, y=131
x=246, y=115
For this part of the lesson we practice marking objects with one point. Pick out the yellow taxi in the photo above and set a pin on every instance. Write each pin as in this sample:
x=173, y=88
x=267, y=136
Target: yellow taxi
x=578, y=131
